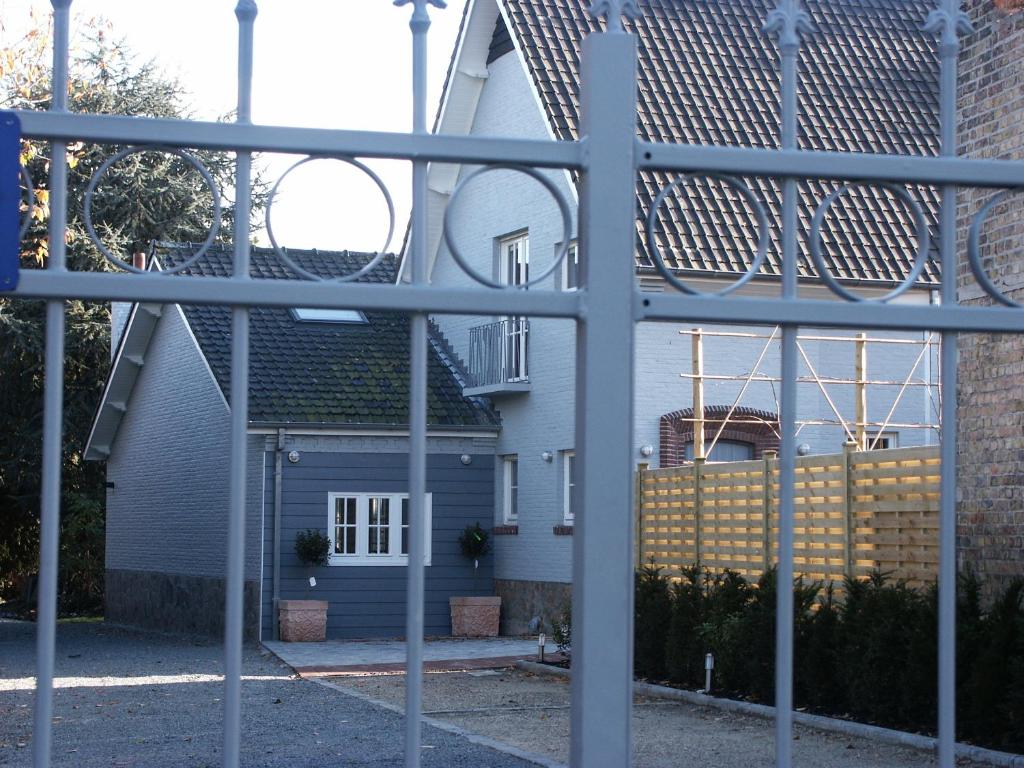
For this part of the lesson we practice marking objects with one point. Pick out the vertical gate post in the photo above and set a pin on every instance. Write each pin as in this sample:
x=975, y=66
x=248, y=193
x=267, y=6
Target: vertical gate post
x=234, y=611
x=602, y=605
x=948, y=22
x=419, y=25
x=789, y=21
x=53, y=413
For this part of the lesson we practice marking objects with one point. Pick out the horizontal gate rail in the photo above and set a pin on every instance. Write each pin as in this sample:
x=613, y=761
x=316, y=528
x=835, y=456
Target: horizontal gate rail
x=104, y=129
x=847, y=166
x=97, y=286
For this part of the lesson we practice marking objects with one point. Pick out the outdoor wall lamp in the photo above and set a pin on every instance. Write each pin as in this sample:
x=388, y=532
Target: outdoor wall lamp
x=294, y=457
x=646, y=450
x=548, y=456
x=466, y=459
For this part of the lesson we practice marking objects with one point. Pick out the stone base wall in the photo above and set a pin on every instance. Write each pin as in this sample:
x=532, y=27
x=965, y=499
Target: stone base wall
x=169, y=602
x=528, y=607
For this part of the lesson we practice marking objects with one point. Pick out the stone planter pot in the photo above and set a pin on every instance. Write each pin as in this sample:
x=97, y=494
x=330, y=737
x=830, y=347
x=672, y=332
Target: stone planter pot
x=475, y=616
x=302, y=621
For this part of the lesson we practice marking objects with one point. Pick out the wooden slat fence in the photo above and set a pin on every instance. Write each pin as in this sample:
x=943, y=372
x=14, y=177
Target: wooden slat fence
x=854, y=512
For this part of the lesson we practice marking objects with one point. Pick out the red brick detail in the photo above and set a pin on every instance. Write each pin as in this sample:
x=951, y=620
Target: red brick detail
x=562, y=530
x=505, y=530
x=748, y=425
x=1009, y=6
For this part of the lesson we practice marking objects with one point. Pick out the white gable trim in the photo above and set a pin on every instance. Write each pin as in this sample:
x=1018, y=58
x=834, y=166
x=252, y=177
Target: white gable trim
x=458, y=112
x=124, y=372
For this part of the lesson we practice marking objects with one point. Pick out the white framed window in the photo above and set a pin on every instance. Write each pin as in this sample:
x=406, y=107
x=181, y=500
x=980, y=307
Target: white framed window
x=510, y=489
x=569, y=493
x=373, y=528
x=514, y=259
x=571, y=268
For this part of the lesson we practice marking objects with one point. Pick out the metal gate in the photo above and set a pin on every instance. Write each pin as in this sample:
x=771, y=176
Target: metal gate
x=606, y=309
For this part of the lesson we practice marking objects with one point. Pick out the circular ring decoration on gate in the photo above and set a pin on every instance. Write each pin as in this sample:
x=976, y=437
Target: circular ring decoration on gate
x=31, y=195
x=282, y=254
x=763, y=234
x=121, y=155
x=544, y=181
x=974, y=248
x=920, y=233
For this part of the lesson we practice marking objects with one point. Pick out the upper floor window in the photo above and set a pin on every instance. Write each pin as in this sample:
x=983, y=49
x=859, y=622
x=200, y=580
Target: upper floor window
x=569, y=494
x=510, y=489
x=514, y=260
x=372, y=528
x=571, y=268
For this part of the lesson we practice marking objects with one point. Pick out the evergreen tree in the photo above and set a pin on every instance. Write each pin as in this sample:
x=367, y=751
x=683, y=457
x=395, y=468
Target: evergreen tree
x=147, y=196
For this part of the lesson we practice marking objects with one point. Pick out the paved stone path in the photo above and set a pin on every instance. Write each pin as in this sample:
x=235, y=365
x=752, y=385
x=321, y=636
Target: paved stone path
x=335, y=657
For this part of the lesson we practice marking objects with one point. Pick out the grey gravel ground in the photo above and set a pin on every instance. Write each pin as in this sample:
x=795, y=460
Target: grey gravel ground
x=532, y=713
x=133, y=699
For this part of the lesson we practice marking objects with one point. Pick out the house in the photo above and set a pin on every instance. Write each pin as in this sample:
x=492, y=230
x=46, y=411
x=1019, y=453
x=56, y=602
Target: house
x=707, y=74
x=990, y=399
x=327, y=449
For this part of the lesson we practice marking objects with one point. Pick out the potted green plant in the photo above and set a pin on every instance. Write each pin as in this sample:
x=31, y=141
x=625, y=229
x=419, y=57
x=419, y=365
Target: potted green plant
x=305, y=621
x=475, y=616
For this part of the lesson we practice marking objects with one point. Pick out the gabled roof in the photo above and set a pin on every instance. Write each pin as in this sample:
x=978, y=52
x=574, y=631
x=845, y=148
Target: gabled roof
x=323, y=373
x=301, y=373
x=708, y=75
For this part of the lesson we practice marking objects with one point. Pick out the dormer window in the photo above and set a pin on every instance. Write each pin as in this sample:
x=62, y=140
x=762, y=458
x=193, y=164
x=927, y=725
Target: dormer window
x=315, y=315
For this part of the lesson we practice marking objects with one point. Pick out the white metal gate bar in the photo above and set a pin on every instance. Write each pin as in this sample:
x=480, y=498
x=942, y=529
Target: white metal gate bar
x=788, y=22
x=602, y=568
x=948, y=22
x=234, y=609
x=419, y=24
x=53, y=412
x=606, y=309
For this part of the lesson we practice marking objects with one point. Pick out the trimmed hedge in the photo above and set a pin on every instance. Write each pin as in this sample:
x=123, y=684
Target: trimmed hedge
x=871, y=656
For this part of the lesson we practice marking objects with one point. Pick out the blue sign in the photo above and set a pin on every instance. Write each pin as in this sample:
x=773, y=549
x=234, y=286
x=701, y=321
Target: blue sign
x=10, y=199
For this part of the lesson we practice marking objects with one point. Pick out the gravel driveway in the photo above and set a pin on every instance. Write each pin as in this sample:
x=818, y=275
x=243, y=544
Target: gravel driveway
x=532, y=712
x=132, y=699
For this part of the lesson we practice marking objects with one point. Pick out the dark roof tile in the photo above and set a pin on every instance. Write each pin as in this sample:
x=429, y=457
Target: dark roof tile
x=709, y=75
x=323, y=373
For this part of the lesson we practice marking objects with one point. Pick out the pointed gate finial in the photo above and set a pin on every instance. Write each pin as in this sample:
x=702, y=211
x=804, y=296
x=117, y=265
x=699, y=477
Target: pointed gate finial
x=789, y=21
x=613, y=11
x=949, y=24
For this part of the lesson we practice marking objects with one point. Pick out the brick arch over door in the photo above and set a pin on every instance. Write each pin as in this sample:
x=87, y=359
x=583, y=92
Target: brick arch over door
x=746, y=425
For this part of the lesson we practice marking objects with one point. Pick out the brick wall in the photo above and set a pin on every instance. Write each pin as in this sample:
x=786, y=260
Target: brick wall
x=990, y=400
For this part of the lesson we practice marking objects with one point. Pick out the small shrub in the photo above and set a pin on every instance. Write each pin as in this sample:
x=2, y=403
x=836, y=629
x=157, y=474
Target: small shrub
x=684, y=649
x=653, y=614
x=313, y=547
x=474, y=542
x=561, y=630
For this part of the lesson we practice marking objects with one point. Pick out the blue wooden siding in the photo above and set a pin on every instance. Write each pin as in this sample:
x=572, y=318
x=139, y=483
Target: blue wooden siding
x=367, y=601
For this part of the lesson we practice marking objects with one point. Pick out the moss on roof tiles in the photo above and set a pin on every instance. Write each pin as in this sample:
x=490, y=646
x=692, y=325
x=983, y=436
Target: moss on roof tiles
x=323, y=373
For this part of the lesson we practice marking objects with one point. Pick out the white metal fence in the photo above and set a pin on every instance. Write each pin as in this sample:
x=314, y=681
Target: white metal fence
x=607, y=156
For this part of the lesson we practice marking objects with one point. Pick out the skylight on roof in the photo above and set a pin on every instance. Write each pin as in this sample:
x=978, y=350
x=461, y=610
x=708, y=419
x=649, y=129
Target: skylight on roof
x=315, y=315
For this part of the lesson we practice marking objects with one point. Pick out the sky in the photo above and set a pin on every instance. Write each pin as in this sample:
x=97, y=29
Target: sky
x=343, y=64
